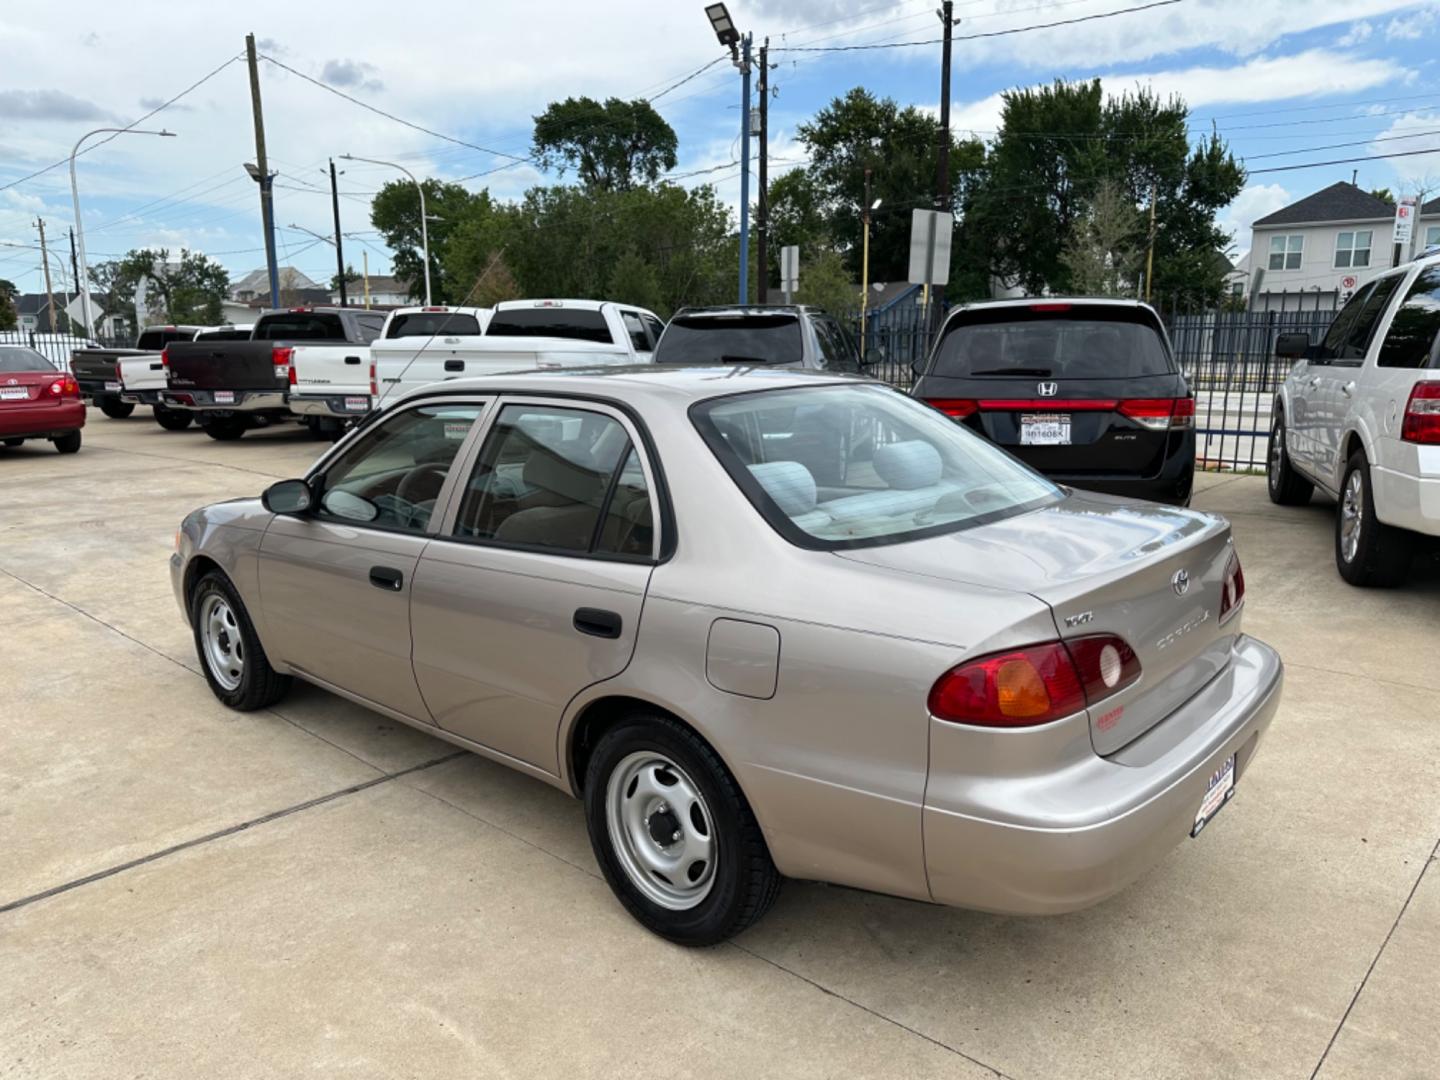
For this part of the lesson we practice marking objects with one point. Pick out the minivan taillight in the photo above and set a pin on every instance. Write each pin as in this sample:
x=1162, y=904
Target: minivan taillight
x=955, y=408
x=1422, y=414
x=1232, y=592
x=1157, y=414
x=1035, y=684
x=280, y=356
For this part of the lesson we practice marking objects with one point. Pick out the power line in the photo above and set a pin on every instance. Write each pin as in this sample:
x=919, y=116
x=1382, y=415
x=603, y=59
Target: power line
x=1344, y=161
x=1341, y=145
x=693, y=75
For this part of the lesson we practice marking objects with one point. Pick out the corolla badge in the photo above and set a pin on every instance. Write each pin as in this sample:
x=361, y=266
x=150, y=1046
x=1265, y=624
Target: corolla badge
x=1047, y=389
x=1180, y=582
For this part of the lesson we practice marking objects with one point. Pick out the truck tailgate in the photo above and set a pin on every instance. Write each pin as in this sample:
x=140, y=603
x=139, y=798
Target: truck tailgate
x=228, y=365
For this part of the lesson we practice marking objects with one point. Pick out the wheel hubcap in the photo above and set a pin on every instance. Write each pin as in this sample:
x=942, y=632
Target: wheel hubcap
x=1277, y=451
x=1352, y=508
x=661, y=830
x=224, y=647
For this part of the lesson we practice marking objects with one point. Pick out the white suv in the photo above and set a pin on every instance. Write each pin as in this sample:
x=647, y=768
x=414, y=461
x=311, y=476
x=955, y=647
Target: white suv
x=1359, y=417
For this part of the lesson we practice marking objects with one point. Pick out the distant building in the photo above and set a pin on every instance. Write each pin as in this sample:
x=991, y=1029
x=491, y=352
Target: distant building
x=385, y=291
x=256, y=285
x=1317, y=251
x=33, y=310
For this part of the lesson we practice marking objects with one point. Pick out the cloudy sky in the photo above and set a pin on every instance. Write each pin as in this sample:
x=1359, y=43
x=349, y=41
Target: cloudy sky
x=1286, y=81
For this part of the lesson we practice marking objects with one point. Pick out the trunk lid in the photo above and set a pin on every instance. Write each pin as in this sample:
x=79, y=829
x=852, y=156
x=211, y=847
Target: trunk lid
x=1104, y=566
x=26, y=389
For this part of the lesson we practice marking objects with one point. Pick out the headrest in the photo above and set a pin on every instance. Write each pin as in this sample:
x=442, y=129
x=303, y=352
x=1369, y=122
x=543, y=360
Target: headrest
x=789, y=483
x=908, y=465
x=548, y=471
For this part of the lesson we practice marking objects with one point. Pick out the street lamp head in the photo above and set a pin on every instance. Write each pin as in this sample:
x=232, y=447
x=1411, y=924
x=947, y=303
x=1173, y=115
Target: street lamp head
x=723, y=25
x=252, y=170
x=166, y=134
x=876, y=204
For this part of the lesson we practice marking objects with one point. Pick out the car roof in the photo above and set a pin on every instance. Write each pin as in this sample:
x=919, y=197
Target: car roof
x=552, y=302
x=640, y=382
x=749, y=309
x=1029, y=301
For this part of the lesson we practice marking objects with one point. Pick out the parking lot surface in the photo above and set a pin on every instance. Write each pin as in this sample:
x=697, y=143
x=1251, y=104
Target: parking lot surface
x=187, y=891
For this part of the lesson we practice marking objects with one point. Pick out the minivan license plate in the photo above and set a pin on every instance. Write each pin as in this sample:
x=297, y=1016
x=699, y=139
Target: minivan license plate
x=1045, y=429
x=224, y=397
x=1222, y=787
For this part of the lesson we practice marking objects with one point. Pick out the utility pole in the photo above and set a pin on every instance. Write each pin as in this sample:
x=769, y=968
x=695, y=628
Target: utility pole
x=1150, y=250
x=762, y=203
x=45, y=265
x=262, y=174
x=745, y=169
x=339, y=254
x=935, y=295
x=74, y=266
x=365, y=264
x=865, y=269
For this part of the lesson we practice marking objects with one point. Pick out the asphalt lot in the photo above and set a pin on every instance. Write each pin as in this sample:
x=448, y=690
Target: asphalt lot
x=187, y=891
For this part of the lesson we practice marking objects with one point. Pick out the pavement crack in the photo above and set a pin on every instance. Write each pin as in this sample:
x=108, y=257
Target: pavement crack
x=186, y=461
x=1424, y=869
x=220, y=834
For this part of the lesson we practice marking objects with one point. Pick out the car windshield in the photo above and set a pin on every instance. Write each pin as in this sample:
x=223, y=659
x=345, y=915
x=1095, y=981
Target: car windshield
x=731, y=339
x=429, y=323
x=17, y=358
x=852, y=466
x=1057, y=341
x=300, y=326
x=156, y=338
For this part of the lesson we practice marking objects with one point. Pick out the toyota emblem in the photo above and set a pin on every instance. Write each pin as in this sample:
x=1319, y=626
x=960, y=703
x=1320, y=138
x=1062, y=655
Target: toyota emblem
x=1180, y=582
x=1047, y=389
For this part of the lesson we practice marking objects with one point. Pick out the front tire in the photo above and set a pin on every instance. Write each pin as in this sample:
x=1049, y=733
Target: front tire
x=115, y=409
x=674, y=836
x=224, y=428
x=235, y=664
x=1286, y=486
x=69, y=443
x=1368, y=552
x=172, y=419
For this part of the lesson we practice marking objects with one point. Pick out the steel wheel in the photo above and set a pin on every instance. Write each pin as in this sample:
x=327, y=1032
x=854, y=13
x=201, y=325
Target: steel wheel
x=224, y=644
x=1352, y=514
x=1277, y=455
x=661, y=829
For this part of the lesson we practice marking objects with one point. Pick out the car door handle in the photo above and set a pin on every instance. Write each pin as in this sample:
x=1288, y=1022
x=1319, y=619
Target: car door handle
x=387, y=578
x=454, y=365
x=1314, y=382
x=352, y=359
x=598, y=622
x=157, y=367
x=1348, y=388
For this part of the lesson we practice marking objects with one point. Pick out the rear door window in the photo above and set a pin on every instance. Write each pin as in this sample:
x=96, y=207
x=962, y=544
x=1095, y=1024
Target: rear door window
x=369, y=327
x=639, y=340
x=300, y=326
x=1053, y=342
x=1357, y=340
x=655, y=326
x=431, y=323
x=1410, y=342
x=576, y=324
x=1335, y=337
x=835, y=347
x=742, y=338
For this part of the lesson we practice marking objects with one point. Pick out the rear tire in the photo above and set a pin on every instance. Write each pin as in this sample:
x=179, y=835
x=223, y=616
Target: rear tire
x=172, y=419
x=652, y=777
x=68, y=443
x=1368, y=552
x=13, y=443
x=114, y=408
x=225, y=428
x=1286, y=486
x=235, y=664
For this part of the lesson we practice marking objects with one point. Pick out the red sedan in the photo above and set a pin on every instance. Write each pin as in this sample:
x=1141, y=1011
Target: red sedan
x=37, y=401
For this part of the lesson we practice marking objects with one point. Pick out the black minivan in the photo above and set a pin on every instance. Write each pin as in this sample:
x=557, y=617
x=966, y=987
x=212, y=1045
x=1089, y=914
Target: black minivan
x=1084, y=390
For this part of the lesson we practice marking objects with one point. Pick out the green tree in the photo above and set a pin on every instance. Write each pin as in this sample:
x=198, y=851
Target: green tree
x=351, y=277
x=613, y=146
x=796, y=217
x=395, y=214
x=186, y=289
x=826, y=283
x=1104, y=253
x=1384, y=194
x=9, y=317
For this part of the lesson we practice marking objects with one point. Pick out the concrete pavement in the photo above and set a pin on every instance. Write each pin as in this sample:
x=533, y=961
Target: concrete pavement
x=187, y=891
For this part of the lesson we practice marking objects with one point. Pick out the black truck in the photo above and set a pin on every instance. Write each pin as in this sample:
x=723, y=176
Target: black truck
x=233, y=386
x=100, y=378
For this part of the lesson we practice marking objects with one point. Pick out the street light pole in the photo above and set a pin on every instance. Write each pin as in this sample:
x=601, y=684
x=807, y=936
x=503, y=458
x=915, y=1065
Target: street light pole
x=745, y=169
x=424, y=231
x=79, y=228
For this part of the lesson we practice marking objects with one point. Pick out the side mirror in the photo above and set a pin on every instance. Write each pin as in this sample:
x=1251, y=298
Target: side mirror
x=288, y=497
x=1292, y=346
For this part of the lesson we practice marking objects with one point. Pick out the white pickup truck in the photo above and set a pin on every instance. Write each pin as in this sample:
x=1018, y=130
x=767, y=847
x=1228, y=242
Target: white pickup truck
x=521, y=335
x=1359, y=417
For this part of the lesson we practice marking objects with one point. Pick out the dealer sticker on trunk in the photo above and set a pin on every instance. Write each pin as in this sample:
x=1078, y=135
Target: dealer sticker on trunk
x=1045, y=429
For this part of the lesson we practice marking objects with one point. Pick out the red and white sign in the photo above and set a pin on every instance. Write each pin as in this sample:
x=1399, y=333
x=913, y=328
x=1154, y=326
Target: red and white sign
x=1404, y=219
x=1348, y=282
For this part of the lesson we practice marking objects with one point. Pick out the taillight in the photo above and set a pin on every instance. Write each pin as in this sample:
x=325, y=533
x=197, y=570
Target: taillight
x=280, y=356
x=955, y=408
x=1157, y=414
x=165, y=357
x=65, y=386
x=374, y=383
x=117, y=371
x=1232, y=593
x=1036, y=684
x=1422, y=414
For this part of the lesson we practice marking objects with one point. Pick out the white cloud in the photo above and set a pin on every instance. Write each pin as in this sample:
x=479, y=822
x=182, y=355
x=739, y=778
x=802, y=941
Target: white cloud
x=1253, y=203
x=1406, y=133
x=1357, y=33
x=1413, y=26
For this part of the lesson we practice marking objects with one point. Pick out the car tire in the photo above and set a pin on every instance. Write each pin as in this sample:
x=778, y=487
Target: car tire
x=68, y=443
x=1286, y=486
x=721, y=878
x=114, y=408
x=172, y=419
x=231, y=656
x=1368, y=552
x=225, y=428
x=13, y=443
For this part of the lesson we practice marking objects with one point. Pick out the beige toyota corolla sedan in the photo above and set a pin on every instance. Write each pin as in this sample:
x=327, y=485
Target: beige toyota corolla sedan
x=765, y=624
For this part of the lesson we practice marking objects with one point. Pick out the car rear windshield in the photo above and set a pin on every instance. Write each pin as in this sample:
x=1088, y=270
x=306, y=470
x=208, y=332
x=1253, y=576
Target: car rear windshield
x=300, y=326
x=157, y=338
x=561, y=322
x=430, y=323
x=861, y=465
x=1059, y=342
x=731, y=339
x=16, y=358
x=230, y=334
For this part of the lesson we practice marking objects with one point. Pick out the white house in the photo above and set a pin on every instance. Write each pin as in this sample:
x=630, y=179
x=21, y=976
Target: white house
x=385, y=291
x=1317, y=251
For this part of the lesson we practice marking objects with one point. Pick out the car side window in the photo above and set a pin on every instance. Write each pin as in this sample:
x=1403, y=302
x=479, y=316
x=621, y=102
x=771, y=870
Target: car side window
x=369, y=327
x=1357, y=341
x=563, y=479
x=636, y=329
x=1410, y=342
x=835, y=348
x=655, y=326
x=1340, y=328
x=392, y=476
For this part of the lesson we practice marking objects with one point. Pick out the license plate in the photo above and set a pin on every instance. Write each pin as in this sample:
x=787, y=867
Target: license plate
x=115, y=386
x=224, y=397
x=357, y=404
x=13, y=393
x=1045, y=429
x=1222, y=787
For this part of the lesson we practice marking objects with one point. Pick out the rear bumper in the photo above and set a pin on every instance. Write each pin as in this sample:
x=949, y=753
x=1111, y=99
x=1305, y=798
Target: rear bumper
x=1407, y=501
x=92, y=390
x=1038, y=845
x=246, y=401
x=333, y=405
x=42, y=421
x=142, y=397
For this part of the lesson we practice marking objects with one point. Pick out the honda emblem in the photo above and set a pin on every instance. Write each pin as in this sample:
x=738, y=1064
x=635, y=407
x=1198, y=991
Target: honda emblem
x=1047, y=389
